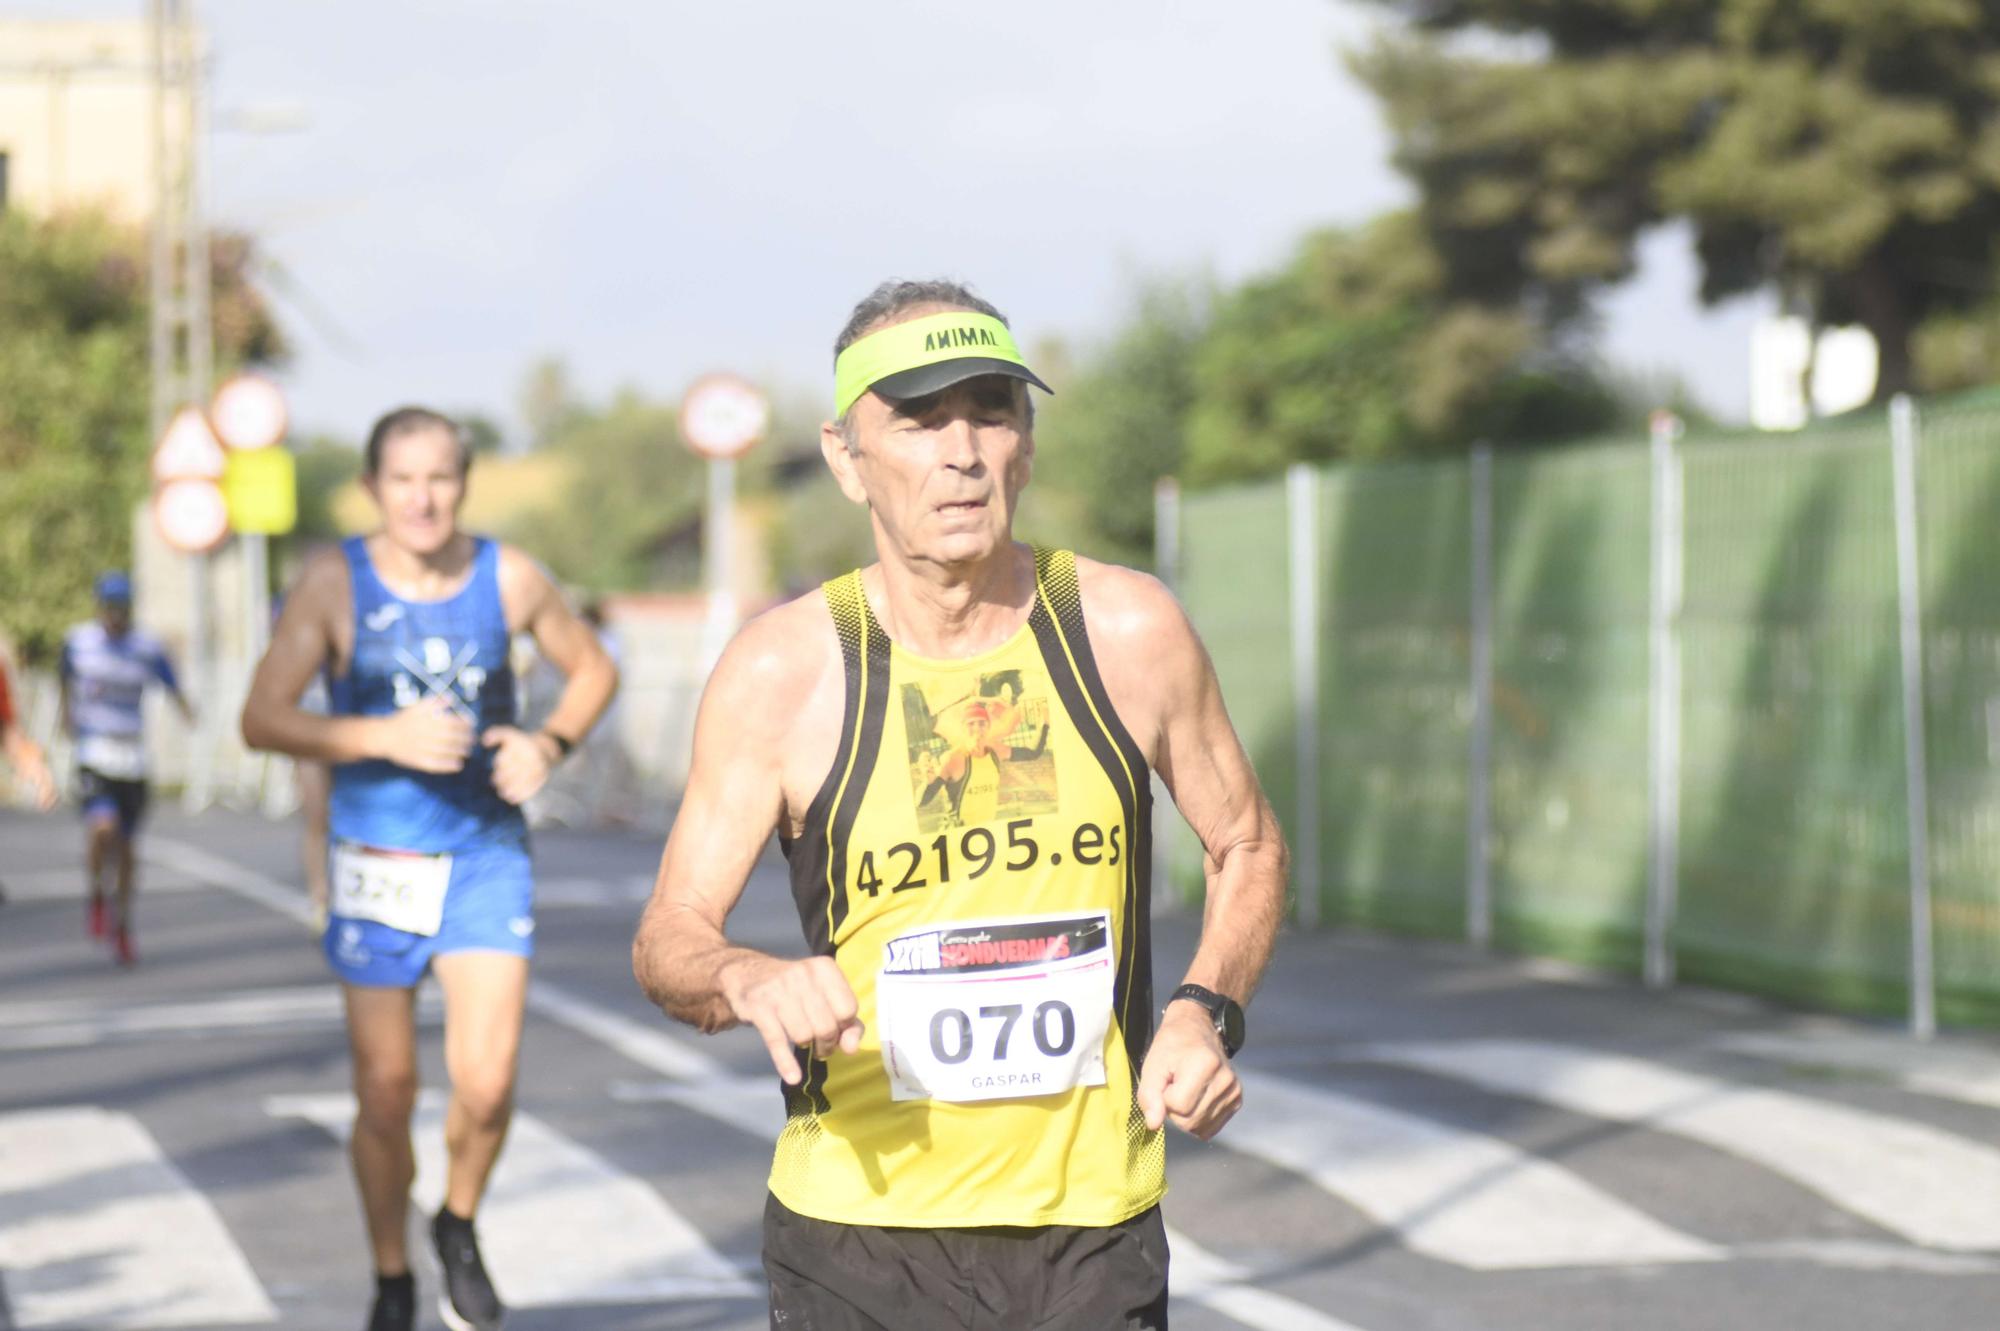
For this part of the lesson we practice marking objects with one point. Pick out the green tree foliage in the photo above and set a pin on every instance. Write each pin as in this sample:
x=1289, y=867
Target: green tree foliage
x=1846, y=152
x=631, y=483
x=1116, y=425
x=325, y=465
x=73, y=404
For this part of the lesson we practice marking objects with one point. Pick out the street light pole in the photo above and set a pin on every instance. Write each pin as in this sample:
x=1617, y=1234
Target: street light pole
x=182, y=335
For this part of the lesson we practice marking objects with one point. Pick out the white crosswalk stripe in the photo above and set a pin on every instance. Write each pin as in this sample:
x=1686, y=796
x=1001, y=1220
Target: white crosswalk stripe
x=1930, y=1186
x=560, y=1225
x=99, y=1230
x=1459, y=1196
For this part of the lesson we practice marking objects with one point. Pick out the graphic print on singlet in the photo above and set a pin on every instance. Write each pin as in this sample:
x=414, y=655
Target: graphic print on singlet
x=981, y=755
x=994, y=935
x=405, y=651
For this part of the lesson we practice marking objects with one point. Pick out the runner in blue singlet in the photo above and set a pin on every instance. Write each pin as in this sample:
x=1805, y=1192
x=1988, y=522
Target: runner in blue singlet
x=106, y=667
x=429, y=862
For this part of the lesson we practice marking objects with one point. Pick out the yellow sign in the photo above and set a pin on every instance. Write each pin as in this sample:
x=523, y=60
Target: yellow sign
x=261, y=486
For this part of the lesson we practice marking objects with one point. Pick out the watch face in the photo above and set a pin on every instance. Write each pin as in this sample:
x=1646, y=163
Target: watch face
x=1229, y=1025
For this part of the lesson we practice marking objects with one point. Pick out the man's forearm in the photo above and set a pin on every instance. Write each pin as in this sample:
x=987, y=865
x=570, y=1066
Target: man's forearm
x=584, y=697
x=302, y=734
x=683, y=962
x=1246, y=903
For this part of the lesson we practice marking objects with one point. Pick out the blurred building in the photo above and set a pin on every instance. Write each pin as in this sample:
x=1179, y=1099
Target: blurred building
x=76, y=116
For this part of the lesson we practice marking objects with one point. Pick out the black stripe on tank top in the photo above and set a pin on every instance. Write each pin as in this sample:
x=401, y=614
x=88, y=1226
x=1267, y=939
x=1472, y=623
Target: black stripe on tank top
x=1133, y=986
x=874, y=703
x=807, y=855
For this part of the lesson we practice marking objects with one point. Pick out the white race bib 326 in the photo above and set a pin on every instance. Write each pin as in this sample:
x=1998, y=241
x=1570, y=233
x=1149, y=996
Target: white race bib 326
x=402, y=889
x=996, y=1009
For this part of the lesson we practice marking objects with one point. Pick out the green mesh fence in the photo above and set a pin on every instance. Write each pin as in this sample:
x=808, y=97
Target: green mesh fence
x=1567, y=840
x=1959, y=524
x=1794, y=875
x=1793, y=850
x=1395, y=574
x=1233, y=577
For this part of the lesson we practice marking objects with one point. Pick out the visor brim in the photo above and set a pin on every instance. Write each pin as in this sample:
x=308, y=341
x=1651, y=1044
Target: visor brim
x=927, y=379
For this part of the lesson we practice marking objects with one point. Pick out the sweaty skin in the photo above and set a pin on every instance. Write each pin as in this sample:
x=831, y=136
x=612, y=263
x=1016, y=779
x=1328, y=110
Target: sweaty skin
x=940, y=476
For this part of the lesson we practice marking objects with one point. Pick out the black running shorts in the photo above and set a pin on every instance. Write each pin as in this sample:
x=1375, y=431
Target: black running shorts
x=831, y=1277
x=125, y=801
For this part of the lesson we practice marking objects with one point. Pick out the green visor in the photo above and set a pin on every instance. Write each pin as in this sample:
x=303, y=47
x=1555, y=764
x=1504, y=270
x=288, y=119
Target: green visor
x=925, y=355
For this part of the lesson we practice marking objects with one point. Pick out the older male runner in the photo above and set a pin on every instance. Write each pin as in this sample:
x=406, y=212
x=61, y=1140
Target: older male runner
x=974, y=1078
x=430, y=860
x=107, y=665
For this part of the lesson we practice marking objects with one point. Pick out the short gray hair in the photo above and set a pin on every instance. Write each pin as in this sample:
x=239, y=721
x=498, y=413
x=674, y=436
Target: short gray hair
x=890, y=299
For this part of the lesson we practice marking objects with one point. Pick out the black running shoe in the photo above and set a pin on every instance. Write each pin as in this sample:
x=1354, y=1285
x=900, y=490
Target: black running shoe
x=395, y=1306
x=468, y=1302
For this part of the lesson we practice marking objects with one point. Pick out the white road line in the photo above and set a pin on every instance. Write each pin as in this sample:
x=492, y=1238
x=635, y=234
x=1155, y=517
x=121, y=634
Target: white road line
x=67, y=884
x=285, y=898
x=1947, y=1070
x=73, y=1023
x=560, y=1226
x=98, y=1229
x=1930, y=1186
x=627, y=891
x=644, y=1044
x=1199, y=1275
x=1459, y=1196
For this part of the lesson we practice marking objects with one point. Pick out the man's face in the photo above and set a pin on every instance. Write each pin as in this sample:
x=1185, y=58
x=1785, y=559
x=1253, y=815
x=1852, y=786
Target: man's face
x=976, y=726
x=419, y=486
x=116, y=616
x=940, y=474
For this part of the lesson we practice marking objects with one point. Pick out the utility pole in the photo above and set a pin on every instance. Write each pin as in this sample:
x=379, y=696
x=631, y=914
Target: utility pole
x=183, y=340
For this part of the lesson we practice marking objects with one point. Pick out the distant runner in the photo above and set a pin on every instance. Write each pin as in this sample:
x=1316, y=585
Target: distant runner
x=106, y=667
x=974, y=1082
x=430, y=868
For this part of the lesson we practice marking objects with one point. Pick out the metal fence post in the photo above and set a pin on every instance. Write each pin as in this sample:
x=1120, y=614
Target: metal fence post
x=1167, y=567
x=1664, y=702
x=1479, y=775
x=1909, y=605
x=1302, y=528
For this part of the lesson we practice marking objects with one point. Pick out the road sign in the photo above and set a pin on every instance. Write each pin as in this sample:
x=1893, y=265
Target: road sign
x=248, y=412
x=723, y=416
x=187, y=449
x=261, y=491
x=191, y=515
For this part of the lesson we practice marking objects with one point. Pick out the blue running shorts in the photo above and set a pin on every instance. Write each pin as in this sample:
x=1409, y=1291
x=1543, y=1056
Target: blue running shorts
x=489, y=906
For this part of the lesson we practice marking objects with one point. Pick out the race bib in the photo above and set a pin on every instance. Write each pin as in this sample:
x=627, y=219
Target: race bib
x=996, y=1009
x=401, y=889
x=120, y=757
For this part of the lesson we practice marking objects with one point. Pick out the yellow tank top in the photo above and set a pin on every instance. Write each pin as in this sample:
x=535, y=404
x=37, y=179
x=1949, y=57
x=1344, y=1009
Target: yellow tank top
x=977, y=861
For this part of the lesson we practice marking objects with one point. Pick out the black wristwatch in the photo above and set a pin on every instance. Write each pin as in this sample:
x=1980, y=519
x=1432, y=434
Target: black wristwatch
x=1226, y=1013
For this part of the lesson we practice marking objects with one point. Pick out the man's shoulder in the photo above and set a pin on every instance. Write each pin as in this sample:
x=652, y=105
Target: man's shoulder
x=325, y=574
x=1126, y=604
x=786, y=648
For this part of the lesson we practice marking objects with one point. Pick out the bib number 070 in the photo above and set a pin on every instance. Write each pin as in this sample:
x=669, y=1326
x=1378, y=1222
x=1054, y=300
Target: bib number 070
x=1053, y=1027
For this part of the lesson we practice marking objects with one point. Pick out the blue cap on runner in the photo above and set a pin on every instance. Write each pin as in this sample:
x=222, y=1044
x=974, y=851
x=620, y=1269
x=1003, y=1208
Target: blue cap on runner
x=114, y=588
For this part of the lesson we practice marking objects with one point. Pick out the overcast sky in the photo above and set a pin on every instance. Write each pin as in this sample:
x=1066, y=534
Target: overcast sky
x=652, y=190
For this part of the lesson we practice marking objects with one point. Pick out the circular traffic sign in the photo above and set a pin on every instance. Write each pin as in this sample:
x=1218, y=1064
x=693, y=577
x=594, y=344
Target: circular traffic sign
x=192, y=515
x=248, y=412
x=723, y=416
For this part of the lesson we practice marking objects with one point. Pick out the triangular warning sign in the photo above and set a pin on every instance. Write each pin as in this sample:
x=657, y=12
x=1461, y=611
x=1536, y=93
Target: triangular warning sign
x=187, y=449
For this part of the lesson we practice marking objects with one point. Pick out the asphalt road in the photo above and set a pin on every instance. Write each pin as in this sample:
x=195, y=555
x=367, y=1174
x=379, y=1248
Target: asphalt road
x=1432, y=1140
